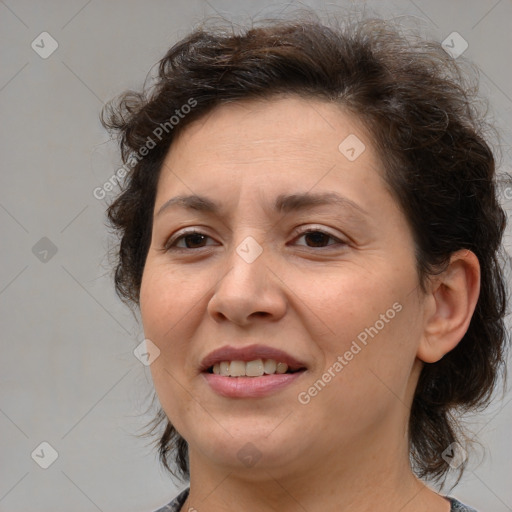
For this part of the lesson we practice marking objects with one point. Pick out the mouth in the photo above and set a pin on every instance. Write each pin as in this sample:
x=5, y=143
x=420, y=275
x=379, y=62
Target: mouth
x=250, y=372
x=250, y=361
x=254, y=368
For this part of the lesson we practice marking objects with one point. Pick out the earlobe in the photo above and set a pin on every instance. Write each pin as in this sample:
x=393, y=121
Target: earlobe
x=449, y=307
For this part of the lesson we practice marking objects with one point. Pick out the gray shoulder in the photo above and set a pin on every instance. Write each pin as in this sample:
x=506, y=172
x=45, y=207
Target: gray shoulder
x=457, y=506
x=176, y=504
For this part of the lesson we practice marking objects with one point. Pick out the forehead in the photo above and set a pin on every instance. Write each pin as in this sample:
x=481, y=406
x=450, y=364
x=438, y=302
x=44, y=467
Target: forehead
x=264, y=148
x=299, y=132
x=268, y=125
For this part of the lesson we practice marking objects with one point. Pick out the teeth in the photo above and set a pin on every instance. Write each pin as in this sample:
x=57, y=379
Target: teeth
x=237, y=369
x=270, y=366
x=224, y=368
x=281, y=368
x=255, y=368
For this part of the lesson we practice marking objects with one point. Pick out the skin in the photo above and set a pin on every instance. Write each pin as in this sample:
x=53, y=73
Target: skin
x=347, y=448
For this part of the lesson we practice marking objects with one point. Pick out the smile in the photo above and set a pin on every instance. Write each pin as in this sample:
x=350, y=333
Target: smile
x=253, y=371
x=255, y=368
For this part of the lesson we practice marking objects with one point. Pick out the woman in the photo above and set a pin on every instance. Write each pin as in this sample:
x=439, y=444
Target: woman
x=311, y=230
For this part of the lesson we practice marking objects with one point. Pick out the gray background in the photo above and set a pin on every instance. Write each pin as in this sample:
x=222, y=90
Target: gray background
x=67, y=371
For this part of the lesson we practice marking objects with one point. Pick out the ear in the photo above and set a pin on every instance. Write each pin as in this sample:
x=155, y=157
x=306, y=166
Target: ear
x=449, y=306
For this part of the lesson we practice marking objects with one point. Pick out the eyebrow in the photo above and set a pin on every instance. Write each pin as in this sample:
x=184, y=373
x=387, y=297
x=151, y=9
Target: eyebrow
x=284, y=203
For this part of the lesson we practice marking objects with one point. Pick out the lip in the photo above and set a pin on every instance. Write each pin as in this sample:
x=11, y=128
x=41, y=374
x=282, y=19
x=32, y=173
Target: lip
x=250, y=387
x=250, y=353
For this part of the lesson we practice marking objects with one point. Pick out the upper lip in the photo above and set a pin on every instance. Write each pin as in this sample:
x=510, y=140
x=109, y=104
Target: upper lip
x=250, y=353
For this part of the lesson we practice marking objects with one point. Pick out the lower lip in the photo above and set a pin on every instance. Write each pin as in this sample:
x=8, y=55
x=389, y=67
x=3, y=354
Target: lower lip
x=250, y=387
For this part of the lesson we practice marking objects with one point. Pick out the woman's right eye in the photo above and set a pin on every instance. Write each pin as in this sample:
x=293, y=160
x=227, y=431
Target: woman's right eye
x=191, y=239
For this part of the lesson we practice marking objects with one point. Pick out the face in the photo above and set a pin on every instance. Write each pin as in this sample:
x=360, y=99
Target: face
x=325, y=282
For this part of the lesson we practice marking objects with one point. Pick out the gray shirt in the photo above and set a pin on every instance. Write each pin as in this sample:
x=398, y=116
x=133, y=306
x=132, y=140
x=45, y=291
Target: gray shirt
x=176, y=504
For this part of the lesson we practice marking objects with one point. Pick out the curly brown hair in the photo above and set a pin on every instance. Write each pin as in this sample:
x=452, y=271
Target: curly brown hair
x=418, y=104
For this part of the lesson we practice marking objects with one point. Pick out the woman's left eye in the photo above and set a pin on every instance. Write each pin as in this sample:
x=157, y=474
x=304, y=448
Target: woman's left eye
x=318, y=237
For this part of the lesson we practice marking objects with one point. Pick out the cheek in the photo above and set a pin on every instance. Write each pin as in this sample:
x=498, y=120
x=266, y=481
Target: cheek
x=379, y=373
x=165, y=298
x=173, y=397
x=371, y=376
x=373, y=325
x=172, y=306
x=350, y=301
x=163, y=303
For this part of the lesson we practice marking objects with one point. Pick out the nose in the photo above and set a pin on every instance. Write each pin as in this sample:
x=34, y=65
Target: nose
x=248, y=290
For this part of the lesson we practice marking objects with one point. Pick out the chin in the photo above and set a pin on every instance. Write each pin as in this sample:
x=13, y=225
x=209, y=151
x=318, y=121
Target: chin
x=248, y=450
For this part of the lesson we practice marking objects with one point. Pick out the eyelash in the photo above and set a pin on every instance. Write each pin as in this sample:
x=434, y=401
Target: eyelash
x=170, y=245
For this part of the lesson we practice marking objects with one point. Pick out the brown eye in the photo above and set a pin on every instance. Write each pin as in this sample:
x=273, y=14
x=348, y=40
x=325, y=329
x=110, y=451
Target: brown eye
x=194, y=240
x=317, y=238
x=191, y=240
